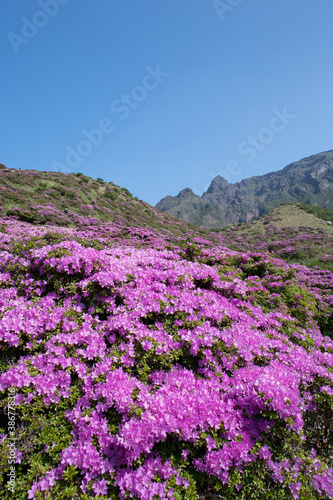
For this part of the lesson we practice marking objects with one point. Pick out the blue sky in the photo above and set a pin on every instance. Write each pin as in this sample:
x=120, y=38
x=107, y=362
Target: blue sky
x=158, y=96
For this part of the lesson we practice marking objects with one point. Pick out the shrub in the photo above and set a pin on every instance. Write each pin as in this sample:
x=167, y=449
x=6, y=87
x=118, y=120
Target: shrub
x=142, y=372
x=126, y=191
x=321, y=213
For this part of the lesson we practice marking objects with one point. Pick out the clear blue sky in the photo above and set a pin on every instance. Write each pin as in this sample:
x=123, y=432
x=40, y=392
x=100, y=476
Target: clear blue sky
x=180, y=90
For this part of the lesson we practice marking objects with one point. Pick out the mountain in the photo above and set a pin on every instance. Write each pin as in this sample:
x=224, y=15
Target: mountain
x=309, y=180
x=40, y=199
x=54, y=201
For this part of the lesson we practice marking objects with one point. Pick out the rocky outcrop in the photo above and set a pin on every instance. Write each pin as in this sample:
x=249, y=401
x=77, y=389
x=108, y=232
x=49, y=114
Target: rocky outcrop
x=307, y=181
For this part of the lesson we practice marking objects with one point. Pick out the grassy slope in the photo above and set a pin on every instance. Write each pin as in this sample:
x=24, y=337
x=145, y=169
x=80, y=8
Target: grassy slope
x=42, y=197
x=290, y=216
x=289, y=231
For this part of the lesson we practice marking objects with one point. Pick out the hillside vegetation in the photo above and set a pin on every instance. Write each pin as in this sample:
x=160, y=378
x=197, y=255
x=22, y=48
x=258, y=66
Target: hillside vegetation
x=155, y=361
x=295, y=232
x=42, y=197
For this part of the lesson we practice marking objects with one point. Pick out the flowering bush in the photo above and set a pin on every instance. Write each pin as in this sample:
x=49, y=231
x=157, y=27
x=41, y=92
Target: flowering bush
x=154, y=369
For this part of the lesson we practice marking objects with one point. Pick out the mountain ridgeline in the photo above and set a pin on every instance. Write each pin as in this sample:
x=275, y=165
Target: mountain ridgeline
x=309, y=180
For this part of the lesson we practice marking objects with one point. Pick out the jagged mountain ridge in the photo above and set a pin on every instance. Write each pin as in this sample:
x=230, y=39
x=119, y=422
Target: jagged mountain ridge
x=309, y=180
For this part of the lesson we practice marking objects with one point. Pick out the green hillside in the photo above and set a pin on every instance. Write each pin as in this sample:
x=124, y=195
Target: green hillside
x=42, y=198
x=295, y=232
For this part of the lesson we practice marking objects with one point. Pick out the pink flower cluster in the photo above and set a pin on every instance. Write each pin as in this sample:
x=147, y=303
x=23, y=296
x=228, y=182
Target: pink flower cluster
x=183, y=366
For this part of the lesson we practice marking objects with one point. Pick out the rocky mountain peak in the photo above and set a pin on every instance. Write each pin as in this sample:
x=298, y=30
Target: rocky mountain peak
x=185, y=192
x=309, y=180
x=218, y=184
